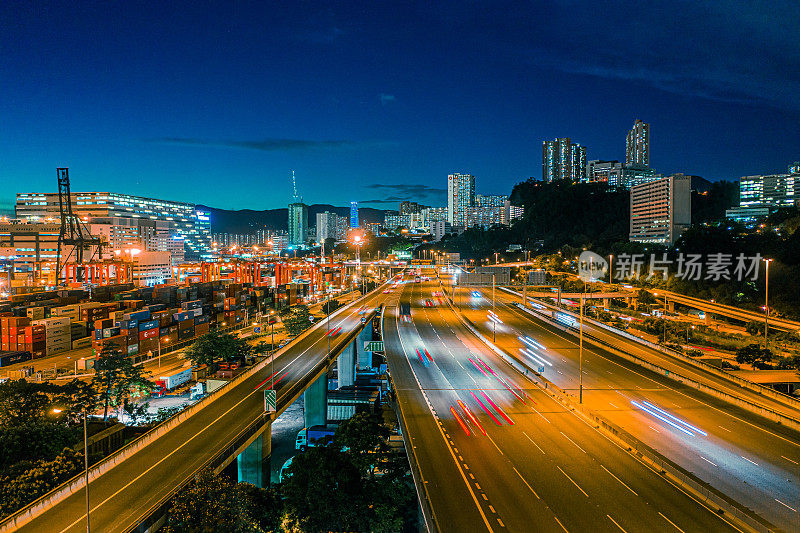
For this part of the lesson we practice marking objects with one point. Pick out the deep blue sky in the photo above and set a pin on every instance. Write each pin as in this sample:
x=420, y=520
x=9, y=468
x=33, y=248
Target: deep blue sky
x=216, y=105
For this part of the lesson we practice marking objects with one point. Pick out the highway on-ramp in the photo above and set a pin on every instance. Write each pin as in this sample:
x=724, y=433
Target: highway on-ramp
x=496, y=453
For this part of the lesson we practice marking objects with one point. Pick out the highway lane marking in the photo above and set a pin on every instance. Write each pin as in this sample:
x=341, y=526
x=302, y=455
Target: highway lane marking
x=612, y=405
x=492, y=510
x=526, y=483
x=477, y=485
x=706, y=460
x=654, y=429
x=726, y=429
x=618, y=479
x=534, y=442
x=573, y=442
x=671, y=522
x=164, y=458
x=560, y=524
x=449, y=449
x=540, y=414
x=787, y=506
x=501, y=523
x=790, y=460
x=573, y=481
x=615, y=523
x=746, y=459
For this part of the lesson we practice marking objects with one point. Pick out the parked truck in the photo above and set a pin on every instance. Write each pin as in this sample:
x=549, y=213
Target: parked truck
x=312, y=437
x=165, y=384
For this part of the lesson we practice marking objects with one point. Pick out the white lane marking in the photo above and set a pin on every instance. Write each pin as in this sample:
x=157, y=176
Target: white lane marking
x=615, y=523
x=746, y=459
x=573, y=442
x=618, y=479
x=790, y=460
x=788, y=507
x=654, y=429
x=706, y=460
x=534, y=442
x=560, y=524
x=612, y=405
x=540, y=414
x=671, y=522
x=526, y=483
x=573, y=481
x=726, y=429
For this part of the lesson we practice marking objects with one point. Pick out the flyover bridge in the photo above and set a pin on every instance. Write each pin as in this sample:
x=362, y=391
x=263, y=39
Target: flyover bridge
x=129, y=490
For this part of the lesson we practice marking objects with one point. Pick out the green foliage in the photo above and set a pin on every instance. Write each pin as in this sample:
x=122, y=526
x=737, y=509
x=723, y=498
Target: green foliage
x=711, y=205
x=211, y=504
x=36, y=439
x=296, y=320
x=330, y=306
x=215, y=347
x=753, y=354
x=791, y=362
x=116, y=377
x=22, y=401
x=26, y=481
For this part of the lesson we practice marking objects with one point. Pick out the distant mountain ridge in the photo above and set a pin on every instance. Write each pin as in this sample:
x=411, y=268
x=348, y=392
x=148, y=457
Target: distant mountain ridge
x=244, y=221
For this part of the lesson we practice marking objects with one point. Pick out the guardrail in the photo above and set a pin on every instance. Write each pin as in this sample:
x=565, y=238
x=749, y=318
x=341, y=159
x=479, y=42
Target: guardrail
x=741, y=382
x=655, y=460
x=76, y=483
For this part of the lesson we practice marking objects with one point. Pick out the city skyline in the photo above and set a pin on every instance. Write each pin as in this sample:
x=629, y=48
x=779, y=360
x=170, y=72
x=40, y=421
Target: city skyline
x=175, y=112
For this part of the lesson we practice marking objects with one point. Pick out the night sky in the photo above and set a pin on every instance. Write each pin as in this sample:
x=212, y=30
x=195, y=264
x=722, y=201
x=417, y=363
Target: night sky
x=379, y=101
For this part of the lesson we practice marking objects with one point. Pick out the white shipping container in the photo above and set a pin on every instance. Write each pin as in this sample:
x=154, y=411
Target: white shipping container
x=341, y=412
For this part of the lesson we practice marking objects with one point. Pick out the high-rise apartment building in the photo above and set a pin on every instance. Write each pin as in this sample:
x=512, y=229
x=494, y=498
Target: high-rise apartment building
x=193, y=224
x=327, y=226
x=482, y=200
x=637, y=145
x=660, y=209
x=298, y=223
x=408, y=208
x=433, y=214
x=353, y=215
x=563, y=160
x=460, y=197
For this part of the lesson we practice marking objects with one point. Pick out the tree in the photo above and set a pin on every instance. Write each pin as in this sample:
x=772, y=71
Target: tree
x=296, y=320
x=330, y=306
x=214, y=347
x=753, y=354
x=116, y=377
x=212, y=504
x=22, y=401
x=364, y=438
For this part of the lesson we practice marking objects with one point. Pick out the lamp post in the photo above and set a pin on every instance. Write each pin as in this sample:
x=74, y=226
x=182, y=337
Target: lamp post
x=610, y=268
x=85, y=463
x=494, y=331
x=766, y=303
x=166, y=339
x=580, y=352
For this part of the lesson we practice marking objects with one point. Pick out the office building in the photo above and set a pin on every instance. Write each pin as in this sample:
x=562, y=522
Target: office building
x=151, y=268
x=119, y=233
x=193, y=224
x=776, y=190
x=298, y=223
x=353, y=215
x=660, y=210
x=607, y=171
x=326, y=225
x=637, y=145
x=460, y=197
x=563, y=160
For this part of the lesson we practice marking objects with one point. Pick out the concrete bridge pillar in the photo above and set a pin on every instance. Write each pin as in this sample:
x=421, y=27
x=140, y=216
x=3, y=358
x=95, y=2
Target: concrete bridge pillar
x=254, y=463
x=364, y=358
x=315, y=402
x=606, y=302
x=346, y=366
x=670, y=306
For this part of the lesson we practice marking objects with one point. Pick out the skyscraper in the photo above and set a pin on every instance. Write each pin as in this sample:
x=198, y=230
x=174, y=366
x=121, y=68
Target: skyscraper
x=326, y=225
x=637, y=145
x=661, y=209
x=460, y=197
x=353, y=214
x=563, y=160
x=298, y=222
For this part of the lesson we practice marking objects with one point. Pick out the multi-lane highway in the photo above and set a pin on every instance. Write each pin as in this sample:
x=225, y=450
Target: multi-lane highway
x=496, y=453
x=752, y=460
x=120, y=497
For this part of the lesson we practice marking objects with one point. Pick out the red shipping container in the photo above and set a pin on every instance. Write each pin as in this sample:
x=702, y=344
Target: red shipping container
x=148, y=334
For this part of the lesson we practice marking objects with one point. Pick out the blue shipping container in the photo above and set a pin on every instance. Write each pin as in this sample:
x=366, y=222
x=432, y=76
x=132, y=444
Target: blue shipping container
x=180, y=317
x=150, y=324
x=140, y=315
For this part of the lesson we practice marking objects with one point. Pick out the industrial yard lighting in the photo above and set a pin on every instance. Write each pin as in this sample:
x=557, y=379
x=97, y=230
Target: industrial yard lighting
x=85, y=462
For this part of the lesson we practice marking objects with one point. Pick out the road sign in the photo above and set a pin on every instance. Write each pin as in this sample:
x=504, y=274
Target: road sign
x=373, y=346
x=257, y=329
x=269, y=401
x=541, y=370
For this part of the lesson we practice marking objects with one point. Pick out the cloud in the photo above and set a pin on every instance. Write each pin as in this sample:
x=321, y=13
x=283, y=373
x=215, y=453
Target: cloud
x=270, y=145
x=387, y=98
x=408, y=189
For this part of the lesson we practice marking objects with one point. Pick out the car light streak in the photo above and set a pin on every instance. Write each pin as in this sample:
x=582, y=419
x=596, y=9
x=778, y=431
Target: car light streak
x=460, y=422
x=277, y=381
x=493, y=317
x=422, y=359
x=488, y=412
x=538, y=306
x=471, y=360
x=428, y=355
x=676, y=419
x=335, y=331
x=511, y=390
x=497, y=408
x=471, y=416
x=530, y=342
x=536, y=358
x=662, y=418
x=271, y=375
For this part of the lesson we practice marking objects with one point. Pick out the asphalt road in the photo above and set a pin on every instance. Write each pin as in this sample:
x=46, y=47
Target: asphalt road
x=752, y=460
x=538, y=467
x=122, y=495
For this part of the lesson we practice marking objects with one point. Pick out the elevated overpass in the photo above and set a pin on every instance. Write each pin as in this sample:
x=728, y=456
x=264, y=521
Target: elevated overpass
x=129, y=490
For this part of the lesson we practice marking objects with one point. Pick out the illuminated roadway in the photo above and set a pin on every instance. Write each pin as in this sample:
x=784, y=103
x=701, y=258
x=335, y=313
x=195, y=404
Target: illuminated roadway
x=124, y=494
x=538, y=467
x=752, y=460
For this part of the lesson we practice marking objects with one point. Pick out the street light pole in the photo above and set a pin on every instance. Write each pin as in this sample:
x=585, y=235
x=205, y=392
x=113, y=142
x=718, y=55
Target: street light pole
x=610, y=268
x=766, y=304
x=580, y=353
x=494, y=330
x=86, y=466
